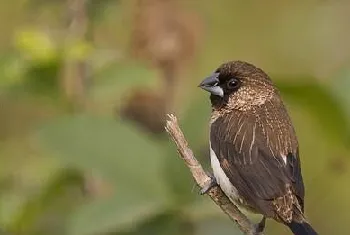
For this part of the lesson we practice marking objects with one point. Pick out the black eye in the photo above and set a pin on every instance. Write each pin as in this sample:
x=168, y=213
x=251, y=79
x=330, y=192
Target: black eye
x=233, y=83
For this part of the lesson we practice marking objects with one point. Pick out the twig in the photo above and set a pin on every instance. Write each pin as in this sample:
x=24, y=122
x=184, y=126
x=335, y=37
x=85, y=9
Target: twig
x=76, y=71
x=202, y=179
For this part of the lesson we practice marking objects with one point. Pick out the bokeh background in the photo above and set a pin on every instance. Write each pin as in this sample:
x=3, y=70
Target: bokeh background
x=85, y=86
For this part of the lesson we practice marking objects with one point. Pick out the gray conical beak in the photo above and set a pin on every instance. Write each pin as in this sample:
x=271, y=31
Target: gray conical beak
x=211, y=84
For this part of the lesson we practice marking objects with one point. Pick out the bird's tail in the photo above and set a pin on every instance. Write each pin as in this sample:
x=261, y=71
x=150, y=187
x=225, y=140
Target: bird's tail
x=302, y=228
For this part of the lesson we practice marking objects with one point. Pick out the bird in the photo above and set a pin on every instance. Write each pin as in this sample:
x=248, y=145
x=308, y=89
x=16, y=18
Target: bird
x=254, y=151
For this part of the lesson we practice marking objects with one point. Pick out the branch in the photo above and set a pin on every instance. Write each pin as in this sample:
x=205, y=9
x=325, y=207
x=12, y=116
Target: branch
x=75, y=70
x=202, y=179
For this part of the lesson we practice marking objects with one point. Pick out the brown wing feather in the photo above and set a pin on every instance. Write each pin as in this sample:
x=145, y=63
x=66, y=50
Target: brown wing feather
x=252, y=145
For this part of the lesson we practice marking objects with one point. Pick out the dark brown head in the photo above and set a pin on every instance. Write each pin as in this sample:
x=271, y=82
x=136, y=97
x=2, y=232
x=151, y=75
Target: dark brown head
x=238, y=85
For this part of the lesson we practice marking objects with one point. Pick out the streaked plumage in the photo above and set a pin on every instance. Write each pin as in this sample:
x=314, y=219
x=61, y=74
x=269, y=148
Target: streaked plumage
x=254, y=149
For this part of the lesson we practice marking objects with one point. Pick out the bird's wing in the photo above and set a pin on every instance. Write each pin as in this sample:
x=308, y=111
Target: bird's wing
x=269, y=181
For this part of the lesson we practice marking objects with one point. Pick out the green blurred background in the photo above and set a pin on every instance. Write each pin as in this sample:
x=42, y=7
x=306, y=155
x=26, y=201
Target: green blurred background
x=85, y=86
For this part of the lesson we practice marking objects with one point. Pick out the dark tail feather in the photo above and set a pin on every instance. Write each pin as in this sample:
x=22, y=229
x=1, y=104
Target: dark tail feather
x=301, y=228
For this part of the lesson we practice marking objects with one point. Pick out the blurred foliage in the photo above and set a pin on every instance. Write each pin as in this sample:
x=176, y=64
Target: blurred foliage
x=310, y=95
x=43, y=212
x=109, y=168
x=133, y=194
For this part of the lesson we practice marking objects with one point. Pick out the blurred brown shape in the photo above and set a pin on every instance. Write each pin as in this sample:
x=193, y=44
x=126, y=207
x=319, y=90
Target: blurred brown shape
x=338, y=165
x=166, y=37
x=164, y=33
x=95, y=186
x=146, y=109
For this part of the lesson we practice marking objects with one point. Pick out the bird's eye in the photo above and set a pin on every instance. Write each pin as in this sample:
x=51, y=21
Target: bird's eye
x=233, y=83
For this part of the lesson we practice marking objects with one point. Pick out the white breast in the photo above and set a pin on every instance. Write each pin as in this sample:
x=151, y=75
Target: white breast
x=221, y=178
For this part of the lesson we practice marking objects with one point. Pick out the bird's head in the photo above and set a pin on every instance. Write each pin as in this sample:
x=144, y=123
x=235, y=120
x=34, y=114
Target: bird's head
x=238, y=85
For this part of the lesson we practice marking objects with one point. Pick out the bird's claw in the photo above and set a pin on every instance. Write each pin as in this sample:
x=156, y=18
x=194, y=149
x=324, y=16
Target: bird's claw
x=210, y=184
x=260, y=227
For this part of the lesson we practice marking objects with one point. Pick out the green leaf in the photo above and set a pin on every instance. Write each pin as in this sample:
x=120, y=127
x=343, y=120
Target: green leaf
x=340, y=88
x=122, y=211
x=50, y=207
x=179, y=179
x=216, y=225
x=36, y=46
x=167, y=223
x=12, y=69
x=324, y=107
x=125, y=157
x=37, y=68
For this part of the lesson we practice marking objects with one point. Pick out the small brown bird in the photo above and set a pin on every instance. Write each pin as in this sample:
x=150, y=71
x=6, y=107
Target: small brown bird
x=253, y=147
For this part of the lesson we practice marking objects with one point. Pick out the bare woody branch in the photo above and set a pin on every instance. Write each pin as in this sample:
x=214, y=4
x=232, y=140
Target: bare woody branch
x=202, y=179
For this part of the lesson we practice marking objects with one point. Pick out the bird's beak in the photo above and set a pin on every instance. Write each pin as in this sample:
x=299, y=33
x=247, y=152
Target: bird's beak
x=211, y=84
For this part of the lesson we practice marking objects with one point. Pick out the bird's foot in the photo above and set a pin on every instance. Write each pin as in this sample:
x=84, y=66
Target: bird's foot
x=210, y=184
x=260, y=227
